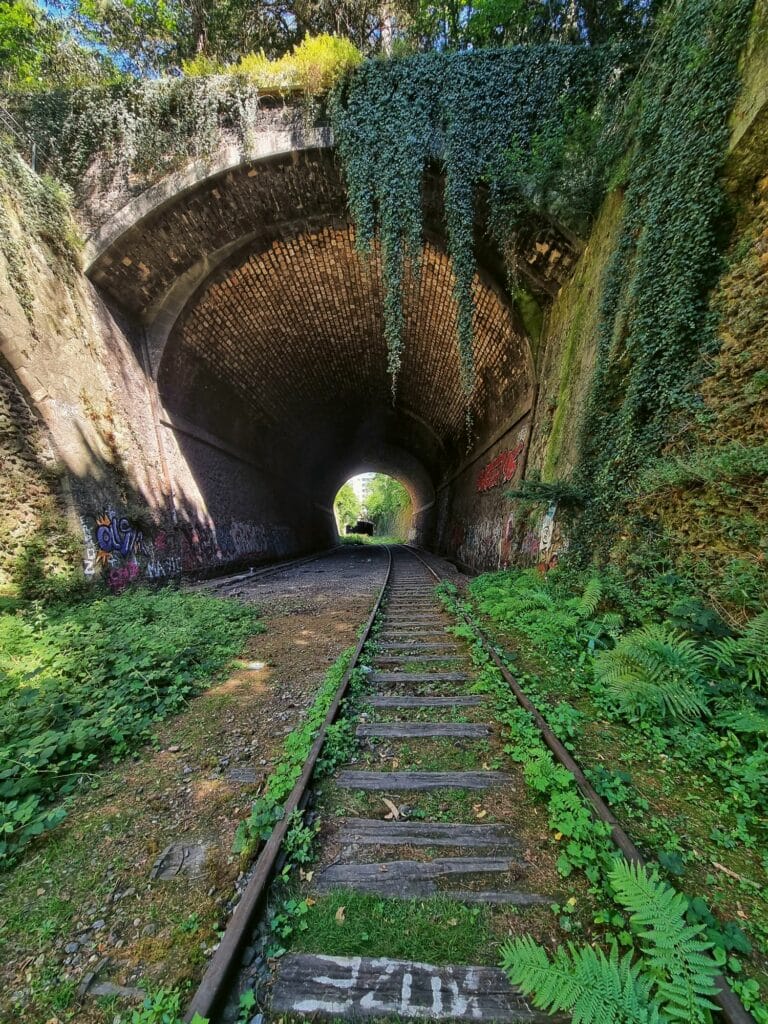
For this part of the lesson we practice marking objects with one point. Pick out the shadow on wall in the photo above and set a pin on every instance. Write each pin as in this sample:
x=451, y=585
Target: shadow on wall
x=38, y=553
x=62, y=530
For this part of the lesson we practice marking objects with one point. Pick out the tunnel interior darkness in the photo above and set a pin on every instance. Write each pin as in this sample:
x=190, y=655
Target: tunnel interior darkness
x=279, y=351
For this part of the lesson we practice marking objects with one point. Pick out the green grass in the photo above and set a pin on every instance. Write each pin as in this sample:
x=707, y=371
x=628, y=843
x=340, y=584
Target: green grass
x=447, y=754
x=433, y=805
x=79, y=682
x=434, y=930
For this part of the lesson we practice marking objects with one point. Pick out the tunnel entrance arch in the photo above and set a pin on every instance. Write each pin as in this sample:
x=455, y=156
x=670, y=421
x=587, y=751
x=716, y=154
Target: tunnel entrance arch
x=262, y=328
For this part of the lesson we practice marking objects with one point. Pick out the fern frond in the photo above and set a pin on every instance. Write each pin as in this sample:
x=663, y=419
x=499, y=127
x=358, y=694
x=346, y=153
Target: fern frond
x=655, y=669
x=611, y=622
x=675, y=952
x=756, y=633
x=745, y=656
x=587, y=604
x=593, y=987
x=742, y=719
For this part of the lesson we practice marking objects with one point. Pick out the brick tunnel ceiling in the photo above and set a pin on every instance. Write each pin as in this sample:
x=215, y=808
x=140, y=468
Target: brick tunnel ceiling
x=288, y=341
x=281, y=350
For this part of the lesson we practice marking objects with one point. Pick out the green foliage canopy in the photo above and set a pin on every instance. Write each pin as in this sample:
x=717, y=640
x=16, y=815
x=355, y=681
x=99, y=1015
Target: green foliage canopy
x=387, y=504
x=346, y=507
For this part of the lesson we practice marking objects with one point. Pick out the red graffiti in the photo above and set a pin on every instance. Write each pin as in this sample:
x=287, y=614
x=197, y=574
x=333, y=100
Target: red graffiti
x=499, y=470
x=550, y=563
x=120, y=577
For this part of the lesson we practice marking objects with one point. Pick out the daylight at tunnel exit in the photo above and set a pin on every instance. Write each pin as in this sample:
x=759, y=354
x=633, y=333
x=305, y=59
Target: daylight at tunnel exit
x=383, y=511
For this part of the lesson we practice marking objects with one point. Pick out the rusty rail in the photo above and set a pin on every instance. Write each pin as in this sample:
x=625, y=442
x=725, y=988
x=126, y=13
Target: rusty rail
x=730, y=1005
x=224, y=961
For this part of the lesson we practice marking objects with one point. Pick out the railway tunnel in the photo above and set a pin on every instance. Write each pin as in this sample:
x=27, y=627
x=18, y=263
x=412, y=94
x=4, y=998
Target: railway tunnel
x=262, y=330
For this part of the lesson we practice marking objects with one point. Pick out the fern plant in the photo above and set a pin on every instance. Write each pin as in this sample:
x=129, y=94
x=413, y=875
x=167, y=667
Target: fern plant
x=745, y=656
x=743, y=717
x=586, y=605
x=674, y=954
x=592, y=987
x=669, y=978
x=655, y=670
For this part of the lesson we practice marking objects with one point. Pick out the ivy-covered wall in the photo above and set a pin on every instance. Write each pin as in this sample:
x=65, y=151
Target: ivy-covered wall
x=706, y=502
x=33, y=505
x=568, y=351
x=699, y=507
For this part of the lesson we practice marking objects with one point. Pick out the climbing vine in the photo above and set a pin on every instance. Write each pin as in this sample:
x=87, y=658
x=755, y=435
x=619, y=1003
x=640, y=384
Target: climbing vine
x=39, y=206
x=493, y=117
x=654, y=324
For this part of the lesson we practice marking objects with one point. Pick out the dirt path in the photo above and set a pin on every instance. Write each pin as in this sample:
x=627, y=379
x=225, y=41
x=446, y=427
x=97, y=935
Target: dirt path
x=83, y=901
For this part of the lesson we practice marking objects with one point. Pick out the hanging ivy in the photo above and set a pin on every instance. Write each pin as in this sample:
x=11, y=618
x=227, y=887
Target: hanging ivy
x=485, y=117
x=654, y=325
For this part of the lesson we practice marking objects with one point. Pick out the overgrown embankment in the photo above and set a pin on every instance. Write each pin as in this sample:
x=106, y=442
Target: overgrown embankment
x=667, y=709
x=79, y=682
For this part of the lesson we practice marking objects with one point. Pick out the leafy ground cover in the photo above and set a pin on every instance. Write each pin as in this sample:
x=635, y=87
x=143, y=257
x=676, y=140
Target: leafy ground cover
x=665, y=706
x=81, y=682
x=84, y=894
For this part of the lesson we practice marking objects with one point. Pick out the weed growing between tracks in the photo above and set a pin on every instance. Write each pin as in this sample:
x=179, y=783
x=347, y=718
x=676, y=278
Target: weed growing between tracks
x=583, y=846
x=78, y=682
x=267, y=809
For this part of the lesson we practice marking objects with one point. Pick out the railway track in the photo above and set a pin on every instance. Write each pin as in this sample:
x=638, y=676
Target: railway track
x=227, y=586
x=405, y=822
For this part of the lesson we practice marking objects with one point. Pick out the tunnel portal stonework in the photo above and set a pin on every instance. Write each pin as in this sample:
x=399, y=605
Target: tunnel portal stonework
x=249, y=334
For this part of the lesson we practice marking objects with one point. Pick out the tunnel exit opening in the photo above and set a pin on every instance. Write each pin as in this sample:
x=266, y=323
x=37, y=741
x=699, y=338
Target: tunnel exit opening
x=373, y=506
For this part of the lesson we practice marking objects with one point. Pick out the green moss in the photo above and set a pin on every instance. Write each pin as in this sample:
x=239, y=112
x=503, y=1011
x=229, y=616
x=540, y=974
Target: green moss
x=571, y=332
x=33, y=209
x=531, y=314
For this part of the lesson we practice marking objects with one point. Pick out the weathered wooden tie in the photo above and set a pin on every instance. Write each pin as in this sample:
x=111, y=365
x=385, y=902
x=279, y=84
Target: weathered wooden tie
x=355, y=987
x=415, y=659
x=418, y=645
x=418, y=677
x=428, y=730
x=410, y=614
x=501, y=897
x=425, y=702
x=412, y=632
x=377, y=832
x=390, y=781
x=411, y=877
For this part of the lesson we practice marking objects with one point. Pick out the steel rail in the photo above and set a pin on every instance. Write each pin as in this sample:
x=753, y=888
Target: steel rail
x=730, y=1005
x=213, y=987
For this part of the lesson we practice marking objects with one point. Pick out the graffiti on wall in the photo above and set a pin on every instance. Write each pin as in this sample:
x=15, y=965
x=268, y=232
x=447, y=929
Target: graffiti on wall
x=498, y=542
x=89, y=549
x=125, y=552
x=116, y=535
x=500, y=469
x=204, y=544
